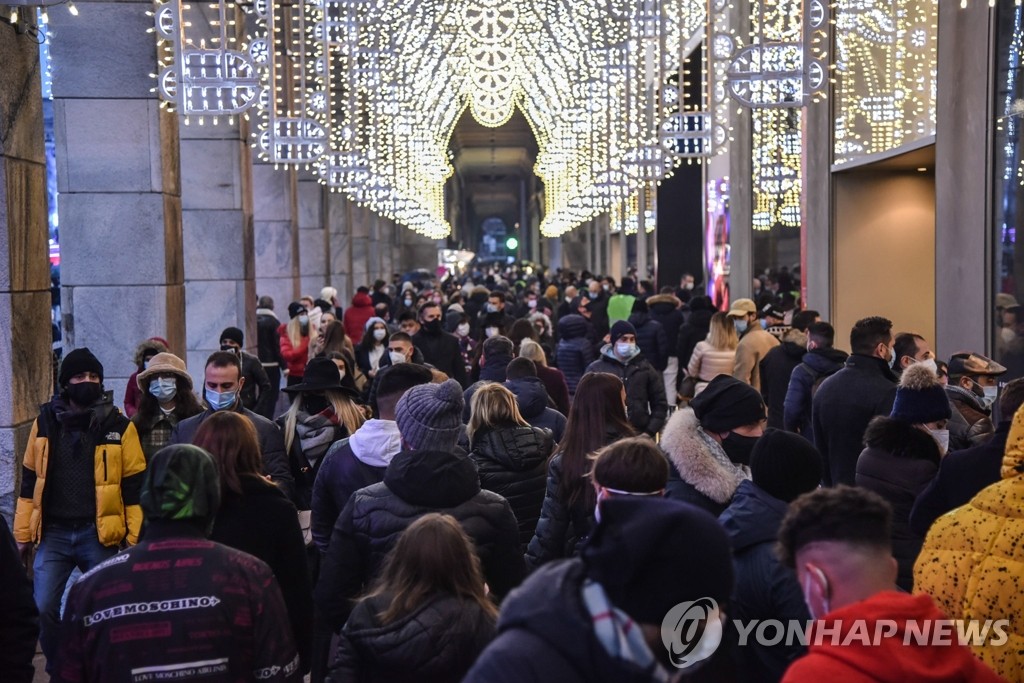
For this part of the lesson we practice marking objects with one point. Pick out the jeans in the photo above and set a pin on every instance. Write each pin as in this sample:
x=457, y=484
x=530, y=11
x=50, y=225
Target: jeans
x=63, y=548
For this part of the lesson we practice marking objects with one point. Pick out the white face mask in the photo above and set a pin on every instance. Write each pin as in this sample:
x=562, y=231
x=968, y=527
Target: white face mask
x=941, y=437
x=396, y=357
x=930, y=364
x=462, y=330
x=892, y=357
x=379, y=334
x=491, y=331
x=991, y=394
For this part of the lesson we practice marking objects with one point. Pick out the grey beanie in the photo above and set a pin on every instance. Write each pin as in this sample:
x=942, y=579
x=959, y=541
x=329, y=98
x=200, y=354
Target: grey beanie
x=429, y=416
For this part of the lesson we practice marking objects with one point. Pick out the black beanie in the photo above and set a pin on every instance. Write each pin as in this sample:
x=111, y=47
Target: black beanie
x=650, y=554
x=295, y=309
x=78, y=361
x=181, y=483
x=620, y=328
x=234, y=334
x=727, y=403
x=785, y=465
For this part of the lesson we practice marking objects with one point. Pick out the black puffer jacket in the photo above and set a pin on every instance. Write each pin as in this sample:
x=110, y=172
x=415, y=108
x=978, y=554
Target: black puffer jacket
x=898, y=462
x=574, y=351
x=438, y=642
x=533, y=402
x=646, y=404
x=694, y=330
x=665, y=310
x=651, y=339
x=776, y=368
x=513, y=463
x=415, y=483
x=765, y=588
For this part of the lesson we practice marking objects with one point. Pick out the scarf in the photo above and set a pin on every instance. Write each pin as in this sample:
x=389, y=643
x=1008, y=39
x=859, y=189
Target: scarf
x=316, y=433
x=619, y=635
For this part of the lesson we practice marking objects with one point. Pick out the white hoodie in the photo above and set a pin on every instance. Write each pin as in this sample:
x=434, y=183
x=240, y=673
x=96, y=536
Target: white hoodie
x=376, y=442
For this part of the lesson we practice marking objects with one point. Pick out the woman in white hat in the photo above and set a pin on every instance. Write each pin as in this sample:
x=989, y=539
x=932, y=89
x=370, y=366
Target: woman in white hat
x=167, y=399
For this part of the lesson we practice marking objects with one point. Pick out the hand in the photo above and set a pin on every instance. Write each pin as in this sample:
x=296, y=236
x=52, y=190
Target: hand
x=25, y=554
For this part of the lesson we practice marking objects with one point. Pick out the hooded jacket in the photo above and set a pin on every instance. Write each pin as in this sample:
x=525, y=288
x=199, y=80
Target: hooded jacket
x=132, y=393
x=651, y=339
x=349, y=465
x=776, y=369
x=665, y=310
x=700, y=472
x=512, y=462
x=118, y=471
x=972, y=561
x=415, y=483
x=574, y=351
x=898, y=462
x=841, y=410
x=817, y=365
x=356, y=316
x=533, y=406
x=436, y=643
x=268, y=344
x=850, y=656
x=765, y=588
x=646, y=404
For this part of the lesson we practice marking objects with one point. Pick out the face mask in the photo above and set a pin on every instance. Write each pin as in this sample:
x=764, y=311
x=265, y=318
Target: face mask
x=892, y=357
x=380, y=334
x=591, y=295
x=462, y=330
x=606, y=287
x=930, y=364
x=991, y=394
x=532, y=303
x=84, y=394
x=626, y=349
x=568, y=299
x=741, y=325
x=314, y=405
x=434, y=326
x=218, y=400
x=739, y=447
x=145, y=363
x=303, y=319
x=491, y=331
x=396, y=357
x=163, y=389
x=408, y=303
x=941, y=437
x=689, y=286
x=491, y=308
x=764, y=324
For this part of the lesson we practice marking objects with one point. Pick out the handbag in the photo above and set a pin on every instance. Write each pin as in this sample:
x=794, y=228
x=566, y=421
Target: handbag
x=688, y=387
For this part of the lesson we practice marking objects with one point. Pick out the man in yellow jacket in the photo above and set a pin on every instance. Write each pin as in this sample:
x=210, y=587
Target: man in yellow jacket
x=85, y=460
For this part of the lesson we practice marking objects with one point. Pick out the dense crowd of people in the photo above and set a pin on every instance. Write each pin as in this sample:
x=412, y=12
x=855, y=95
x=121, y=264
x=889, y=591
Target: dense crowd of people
x=519, y=476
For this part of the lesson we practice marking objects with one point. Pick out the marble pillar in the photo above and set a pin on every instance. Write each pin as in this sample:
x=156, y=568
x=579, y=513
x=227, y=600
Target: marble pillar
x=122, y=275
x=314, y=251
x=276, y=235
x=388, y=247
x=362, y=218
x=25, y=368
x=339, y=265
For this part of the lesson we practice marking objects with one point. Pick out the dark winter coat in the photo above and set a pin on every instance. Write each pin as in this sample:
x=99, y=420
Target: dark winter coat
x=443, y=352
x=899, y=460
x=556, y=386
x=416, y=483
x=694, y=330
x=275, y=461
x=665, y=309
x=646, y=405
x=971, y=423
x=817, y=364
x=533, y=406
x=651, y=340
x=513, y=463
x=962, y=475
x=256, y=393
x=776, y=368
x=574, y=351
x=436, y=643
x=841, y=410
x=19, y=628
x=765, y=588
x=268, y=344
x=263, y=523
x=700, y=472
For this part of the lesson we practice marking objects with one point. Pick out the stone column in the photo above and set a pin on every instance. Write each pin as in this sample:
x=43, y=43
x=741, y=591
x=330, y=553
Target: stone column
x=122, y=274
x=276, y=235
x=374, y=249
x=26, y=379
x=339, y=220
x=361, y=219
x=388, y=247
x=314, y=251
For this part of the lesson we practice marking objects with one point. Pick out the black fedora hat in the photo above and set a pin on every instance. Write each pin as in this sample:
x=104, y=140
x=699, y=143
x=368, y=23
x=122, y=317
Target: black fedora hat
x=321, y=375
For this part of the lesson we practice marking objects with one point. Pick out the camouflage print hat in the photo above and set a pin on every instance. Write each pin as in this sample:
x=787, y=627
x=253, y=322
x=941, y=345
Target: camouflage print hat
x=181, y=484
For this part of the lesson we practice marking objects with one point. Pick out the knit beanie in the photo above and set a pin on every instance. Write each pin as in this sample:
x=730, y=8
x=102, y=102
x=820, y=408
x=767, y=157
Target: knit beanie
x=295, y=308
x=727, y=403
x=78, y=361
x=234, y=334
x=920, y=397
x=429, y=416
x=785, y=465
x=650, y=554
x=620, y=328
x=181, y=483
x=373, y=321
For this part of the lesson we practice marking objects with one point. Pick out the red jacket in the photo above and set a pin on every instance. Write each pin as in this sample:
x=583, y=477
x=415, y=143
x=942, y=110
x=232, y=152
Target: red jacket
x=295, y=357
x=842, y=655
x=356, y=316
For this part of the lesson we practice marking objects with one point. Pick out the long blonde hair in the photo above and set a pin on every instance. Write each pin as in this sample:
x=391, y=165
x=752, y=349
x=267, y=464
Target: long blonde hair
x=294, y=331
x=534, y=351
x=722, y=333
x=493, y=406
x=344, y=407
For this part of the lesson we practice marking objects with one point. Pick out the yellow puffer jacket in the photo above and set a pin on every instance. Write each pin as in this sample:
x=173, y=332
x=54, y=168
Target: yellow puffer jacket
x=119, y=467
x=972, y=562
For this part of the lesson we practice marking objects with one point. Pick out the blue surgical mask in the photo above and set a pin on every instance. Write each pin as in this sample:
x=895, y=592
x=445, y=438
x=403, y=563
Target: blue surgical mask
x=163, y=389
x=626, y=349
x=218, y=400
x=303, y=319
x=741, y=325
x=491, y=308
x=764, y=324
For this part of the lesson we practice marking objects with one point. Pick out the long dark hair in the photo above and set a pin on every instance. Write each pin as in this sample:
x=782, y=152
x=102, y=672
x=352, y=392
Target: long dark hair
x=433, y=555
x=367, y=342
x=522, y=329
x=232, y=441
x=185, y=403
x=596, y=410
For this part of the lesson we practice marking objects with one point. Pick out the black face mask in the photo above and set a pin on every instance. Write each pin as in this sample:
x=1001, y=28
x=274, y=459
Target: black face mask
x=315, y=404
x=433, y=327
x=739, y=447
x=84, y=394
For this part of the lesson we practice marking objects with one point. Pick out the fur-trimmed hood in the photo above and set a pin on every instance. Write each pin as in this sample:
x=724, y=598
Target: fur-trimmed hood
x=699, y=459
x=154, y=344
x=795, y=336
x=901, y=439
x=661, y=299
